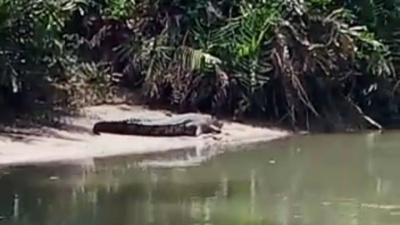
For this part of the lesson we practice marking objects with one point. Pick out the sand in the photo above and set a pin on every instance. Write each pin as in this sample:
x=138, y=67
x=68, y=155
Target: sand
x=76, y=142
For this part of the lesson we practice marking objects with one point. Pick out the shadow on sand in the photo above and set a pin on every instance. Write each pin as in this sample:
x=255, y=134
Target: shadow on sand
x=42, y=121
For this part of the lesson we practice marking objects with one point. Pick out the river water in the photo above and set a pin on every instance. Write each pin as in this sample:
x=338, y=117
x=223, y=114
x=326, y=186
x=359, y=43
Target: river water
x=309, y=180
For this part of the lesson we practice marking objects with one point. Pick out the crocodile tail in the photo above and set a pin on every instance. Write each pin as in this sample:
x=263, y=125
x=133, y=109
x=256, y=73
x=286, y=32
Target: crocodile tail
x=116, y=127
x=96, y=129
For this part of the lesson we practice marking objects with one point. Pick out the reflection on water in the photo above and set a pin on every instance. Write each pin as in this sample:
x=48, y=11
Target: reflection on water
x=311, y=180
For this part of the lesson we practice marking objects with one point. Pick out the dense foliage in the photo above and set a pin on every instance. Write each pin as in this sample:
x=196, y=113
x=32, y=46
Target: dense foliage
x=326, y=63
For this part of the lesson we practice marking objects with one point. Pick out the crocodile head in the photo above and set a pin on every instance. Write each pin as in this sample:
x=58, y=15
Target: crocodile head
x=211, y=125
x=216, y=124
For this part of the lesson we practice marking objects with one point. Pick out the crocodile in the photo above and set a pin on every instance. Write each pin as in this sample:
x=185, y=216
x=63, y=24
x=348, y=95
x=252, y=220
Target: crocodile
x=188, y=124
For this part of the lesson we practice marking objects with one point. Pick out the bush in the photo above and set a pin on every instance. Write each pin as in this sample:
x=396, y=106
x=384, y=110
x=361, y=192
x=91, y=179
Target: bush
x=315, y=63
x=38, y=55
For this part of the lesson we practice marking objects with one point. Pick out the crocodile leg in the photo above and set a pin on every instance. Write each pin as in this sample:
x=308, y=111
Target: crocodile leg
x=199, y=131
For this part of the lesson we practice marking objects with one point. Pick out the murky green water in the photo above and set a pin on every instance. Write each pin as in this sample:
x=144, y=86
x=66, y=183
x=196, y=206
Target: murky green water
x=312, y=180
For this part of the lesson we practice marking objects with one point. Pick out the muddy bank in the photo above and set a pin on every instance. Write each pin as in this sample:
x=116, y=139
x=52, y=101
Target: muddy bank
x=76, y=142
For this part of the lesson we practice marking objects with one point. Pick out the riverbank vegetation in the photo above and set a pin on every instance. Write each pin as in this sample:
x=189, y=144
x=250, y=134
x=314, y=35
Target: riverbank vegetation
x=312, y=64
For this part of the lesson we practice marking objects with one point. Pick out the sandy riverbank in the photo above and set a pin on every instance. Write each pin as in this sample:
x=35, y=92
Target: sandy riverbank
x=76, y=142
